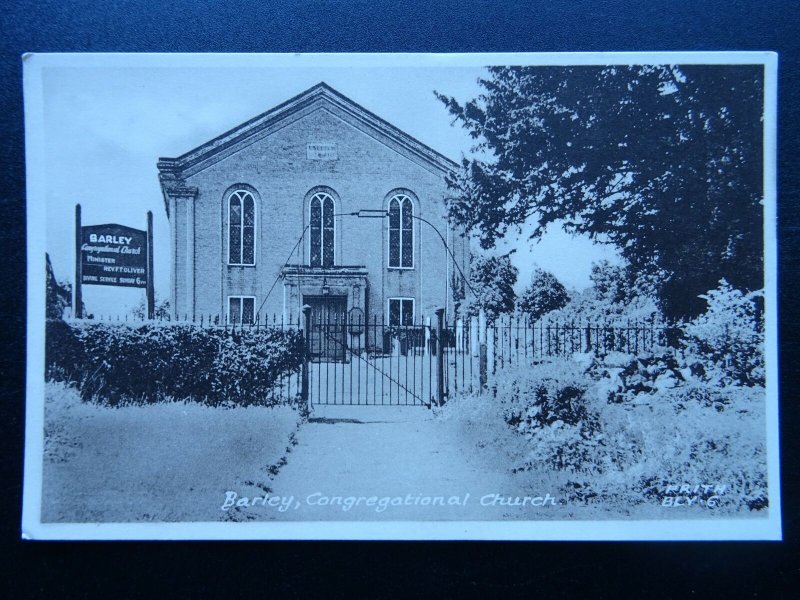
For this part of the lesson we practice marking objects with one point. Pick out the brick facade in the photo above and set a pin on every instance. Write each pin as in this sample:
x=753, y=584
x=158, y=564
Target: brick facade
x=363, y=161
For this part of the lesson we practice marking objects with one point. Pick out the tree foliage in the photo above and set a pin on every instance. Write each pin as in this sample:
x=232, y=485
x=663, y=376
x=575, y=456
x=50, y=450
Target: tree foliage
x=58, y=295
x=664, y=162
x=611, y=283
x=544, y=294
x=160, y=309
x=612, y=298
x=492, y=279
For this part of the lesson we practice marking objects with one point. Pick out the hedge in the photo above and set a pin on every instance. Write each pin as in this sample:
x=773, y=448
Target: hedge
x=150, y=362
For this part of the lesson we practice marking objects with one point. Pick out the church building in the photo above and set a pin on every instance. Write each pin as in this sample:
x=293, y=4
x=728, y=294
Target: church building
x=317, y=201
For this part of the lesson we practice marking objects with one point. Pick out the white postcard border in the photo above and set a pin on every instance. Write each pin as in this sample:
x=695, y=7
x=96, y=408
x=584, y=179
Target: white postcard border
x=768, y=528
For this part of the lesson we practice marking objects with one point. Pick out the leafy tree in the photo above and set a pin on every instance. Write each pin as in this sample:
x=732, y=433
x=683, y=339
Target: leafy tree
x=664, y=162
x=59, y=295
x=493, y=279
x=544, y=294
x=611, y=283
x=160, y=309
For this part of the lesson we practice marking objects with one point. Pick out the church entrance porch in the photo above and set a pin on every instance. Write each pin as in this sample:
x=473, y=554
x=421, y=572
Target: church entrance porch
x=337, y=297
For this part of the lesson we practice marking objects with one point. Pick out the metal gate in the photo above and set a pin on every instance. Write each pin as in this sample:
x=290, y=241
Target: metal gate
x=360, y=361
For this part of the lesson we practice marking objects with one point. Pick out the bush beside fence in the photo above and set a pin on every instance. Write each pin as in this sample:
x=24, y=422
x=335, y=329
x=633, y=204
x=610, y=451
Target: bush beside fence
x=147, y=362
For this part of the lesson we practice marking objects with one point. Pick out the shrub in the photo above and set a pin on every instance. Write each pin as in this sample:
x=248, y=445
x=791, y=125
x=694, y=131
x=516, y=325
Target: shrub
x=625, y=378
x=716, y=438
x=729, y=335
x=119, y=363
x=547, y=405
x=550, y=403
x=560, y=428
x=64, y=355
x=664, y=425
x=248, y=362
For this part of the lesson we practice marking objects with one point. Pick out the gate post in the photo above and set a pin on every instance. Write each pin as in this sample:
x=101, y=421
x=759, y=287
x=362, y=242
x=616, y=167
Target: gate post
x=440, y=356
x=482, y=360
x=588, y=336
x=306, y=355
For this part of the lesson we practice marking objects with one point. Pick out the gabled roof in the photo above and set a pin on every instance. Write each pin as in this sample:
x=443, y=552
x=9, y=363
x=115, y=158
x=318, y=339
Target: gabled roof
x=174, y=170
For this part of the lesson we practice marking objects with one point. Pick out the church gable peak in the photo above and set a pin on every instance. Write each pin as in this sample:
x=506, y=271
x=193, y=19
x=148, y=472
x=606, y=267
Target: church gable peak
x=319, y=96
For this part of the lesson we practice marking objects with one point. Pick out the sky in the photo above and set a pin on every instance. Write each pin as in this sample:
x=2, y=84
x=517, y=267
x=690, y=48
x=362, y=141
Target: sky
x=105, y=126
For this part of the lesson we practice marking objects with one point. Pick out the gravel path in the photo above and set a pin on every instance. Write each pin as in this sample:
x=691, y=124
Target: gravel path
x=388, y=463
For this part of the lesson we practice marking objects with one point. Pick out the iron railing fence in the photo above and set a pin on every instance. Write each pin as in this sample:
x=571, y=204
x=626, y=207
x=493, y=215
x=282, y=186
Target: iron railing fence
x=512, y=340
x=388, y=363
x=224, y=321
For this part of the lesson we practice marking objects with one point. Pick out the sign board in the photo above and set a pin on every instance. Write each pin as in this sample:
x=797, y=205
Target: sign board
x=321, y=151
x=356, y=321
x=114, y=255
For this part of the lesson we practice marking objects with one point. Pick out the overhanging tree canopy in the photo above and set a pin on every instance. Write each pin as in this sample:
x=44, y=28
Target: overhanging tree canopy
x=664, y=162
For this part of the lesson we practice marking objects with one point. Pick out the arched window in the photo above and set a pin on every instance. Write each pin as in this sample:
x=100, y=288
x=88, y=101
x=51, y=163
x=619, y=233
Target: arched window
x=241, y=228
x=322, y=230
x=401, y=232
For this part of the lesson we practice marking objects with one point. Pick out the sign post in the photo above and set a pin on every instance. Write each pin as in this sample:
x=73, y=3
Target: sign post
x=150, y=292
x=77, y=300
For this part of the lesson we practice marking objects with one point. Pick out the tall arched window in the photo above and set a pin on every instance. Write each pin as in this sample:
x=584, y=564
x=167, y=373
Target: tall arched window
x=241, y=228
x=401, y=232
x=322, y=230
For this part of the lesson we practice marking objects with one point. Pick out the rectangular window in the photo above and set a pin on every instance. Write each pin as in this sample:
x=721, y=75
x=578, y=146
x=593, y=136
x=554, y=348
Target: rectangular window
x=401, y=312
x=241, y=309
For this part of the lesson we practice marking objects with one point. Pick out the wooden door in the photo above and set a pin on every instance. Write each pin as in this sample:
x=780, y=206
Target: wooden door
x=328, y=327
